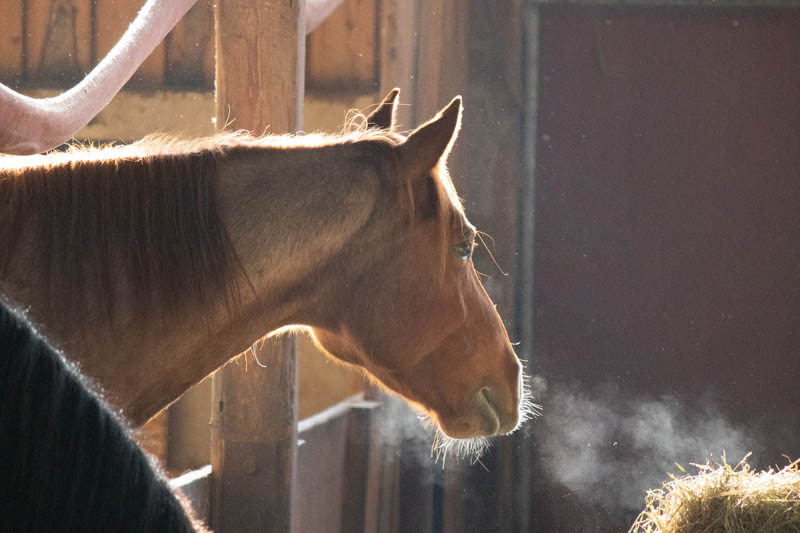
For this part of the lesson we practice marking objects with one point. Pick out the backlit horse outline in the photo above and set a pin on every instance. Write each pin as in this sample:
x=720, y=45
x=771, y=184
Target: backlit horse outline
x=155, y=263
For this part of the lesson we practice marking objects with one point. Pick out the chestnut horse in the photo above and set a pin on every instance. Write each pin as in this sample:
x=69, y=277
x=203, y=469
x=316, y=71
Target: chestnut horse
x=153, y=264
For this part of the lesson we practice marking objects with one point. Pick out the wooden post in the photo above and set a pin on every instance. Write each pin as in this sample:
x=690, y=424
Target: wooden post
x=259, y=81
x=398, y=49
x=473, y=49
x=11, y=60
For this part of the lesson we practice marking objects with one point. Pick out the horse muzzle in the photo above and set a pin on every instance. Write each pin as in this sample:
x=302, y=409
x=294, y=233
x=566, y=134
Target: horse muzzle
x=493, y=411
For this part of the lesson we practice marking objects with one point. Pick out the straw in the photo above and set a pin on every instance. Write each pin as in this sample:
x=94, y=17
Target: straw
x=725, y=498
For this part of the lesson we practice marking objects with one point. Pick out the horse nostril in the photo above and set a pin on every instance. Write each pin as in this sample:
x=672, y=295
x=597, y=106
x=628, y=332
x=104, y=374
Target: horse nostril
x=506, y=420
x=490, y=397
x=489, y=411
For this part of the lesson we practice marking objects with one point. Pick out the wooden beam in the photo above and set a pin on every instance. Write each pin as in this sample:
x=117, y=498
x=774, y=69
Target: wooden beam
x=442, y=57
x=11, y=42
x=259, y=79
x=57, y=39
x=341, y=52
x=444, y=48
x=194, y=486
x=398, y=42
x=322, y=495
x=527, y=461
x=660, y=3
x=133, y=114
x=190, y=49
x=259, y=65
x=254, y=441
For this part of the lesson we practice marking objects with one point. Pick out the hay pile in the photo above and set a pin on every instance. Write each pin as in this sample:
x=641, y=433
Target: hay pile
x=721, y=498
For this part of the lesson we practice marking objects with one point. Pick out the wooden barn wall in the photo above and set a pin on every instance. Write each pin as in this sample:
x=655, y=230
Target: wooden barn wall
x=666, y=222
x=342, y=52
x=434, y=50
x=667, y=251
x=54, y=43
x=11, y=41
x=48, y=45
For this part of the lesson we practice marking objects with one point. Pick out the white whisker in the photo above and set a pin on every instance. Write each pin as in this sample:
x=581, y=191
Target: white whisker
x=527, y=409
x=472, y=449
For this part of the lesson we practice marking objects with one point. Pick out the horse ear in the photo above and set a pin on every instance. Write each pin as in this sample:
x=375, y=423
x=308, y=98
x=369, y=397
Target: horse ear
x=384, y=116
x=431, y=142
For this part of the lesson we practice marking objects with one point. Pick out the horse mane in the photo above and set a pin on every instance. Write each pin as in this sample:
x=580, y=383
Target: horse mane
x=158, y=197
x=69, y=463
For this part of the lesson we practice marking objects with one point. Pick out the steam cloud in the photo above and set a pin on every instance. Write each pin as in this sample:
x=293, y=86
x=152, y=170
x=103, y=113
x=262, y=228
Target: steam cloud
x=401, y=426
x=609, y=450
x=601, y=445
x=415, y=441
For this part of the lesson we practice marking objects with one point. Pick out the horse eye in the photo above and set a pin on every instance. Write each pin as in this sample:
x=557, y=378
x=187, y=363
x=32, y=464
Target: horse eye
x=462, y=250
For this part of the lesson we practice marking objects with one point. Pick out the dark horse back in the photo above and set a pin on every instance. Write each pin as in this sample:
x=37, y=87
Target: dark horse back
x=67, y=463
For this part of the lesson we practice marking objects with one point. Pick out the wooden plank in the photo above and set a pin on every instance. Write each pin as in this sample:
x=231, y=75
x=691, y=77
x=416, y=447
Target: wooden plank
x=133, y=114
x=259, y=82
x=11, y=43
x=359, y=465
x=58, y=42
x=334, y=467
x=454, y=479
x=373, y=480
x=472, y=49
x=342, y=51
x=189, y=47
x=442, y=58
x=189, y=434
x=528, y=491
x=398, y=54
x=660, y=3
x=254, y=434
x=152, y=436
x=415, y=493
x=257, y=71
x=323, y=383
x=196, y=487
x=643, y=269
x=37, y=16
x=112, y=18
x=317, y=501
x=489, y=145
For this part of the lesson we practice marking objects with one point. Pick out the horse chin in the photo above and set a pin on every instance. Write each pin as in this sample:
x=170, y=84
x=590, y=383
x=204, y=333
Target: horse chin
x=467, y=438
x=483, y=422
x=456, y=440
x=445, y=446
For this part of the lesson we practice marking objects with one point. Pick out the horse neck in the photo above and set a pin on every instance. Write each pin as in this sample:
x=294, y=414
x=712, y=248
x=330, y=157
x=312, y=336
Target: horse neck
x=288, y=213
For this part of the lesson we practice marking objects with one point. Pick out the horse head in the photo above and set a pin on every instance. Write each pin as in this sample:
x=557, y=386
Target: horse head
x=416, y=317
